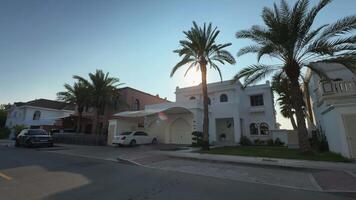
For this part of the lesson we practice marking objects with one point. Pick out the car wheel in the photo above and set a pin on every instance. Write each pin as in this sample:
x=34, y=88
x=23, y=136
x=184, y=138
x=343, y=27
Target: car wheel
x=133, y=143
x=50, y=145
x=154, y=141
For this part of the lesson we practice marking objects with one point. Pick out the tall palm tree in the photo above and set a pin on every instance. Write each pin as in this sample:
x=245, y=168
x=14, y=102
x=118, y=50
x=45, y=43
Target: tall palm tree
x=289, y=38
x=102, y=88
x=281, y=85
x=77, y=94
x=200, y=50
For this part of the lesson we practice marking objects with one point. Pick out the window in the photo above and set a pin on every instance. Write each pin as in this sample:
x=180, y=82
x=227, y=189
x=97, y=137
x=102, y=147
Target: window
x=209, y=101
x=36, y=132
x=192, y=98
x=253, y=129
x=264, y=129
x=140, y=134
x=36, y=115
x=223, y=98
x=256, y=100
x=136, y=105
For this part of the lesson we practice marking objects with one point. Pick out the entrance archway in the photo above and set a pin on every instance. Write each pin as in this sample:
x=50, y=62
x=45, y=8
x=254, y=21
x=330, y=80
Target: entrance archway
x=180, y=132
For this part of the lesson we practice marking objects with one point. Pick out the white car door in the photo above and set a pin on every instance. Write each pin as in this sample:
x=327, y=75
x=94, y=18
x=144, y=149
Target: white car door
x=147, y=139
x=138, y=137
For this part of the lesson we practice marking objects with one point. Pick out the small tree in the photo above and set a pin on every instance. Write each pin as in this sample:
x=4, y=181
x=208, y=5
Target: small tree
x=102, y=88
x=281, y=85
x=77, y=94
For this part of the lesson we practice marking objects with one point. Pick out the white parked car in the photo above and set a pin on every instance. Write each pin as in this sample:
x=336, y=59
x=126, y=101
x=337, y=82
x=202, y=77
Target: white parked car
x=133, y=138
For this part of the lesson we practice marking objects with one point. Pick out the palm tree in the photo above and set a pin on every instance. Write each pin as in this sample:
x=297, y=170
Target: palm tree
x=200, y=50
x=102, y=88
x=289, y=38
x=77, y=94
x=281, y=85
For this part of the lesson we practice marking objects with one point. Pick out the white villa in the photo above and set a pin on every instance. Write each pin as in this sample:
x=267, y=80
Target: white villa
x=233, y=112
x=332, y=106
x=39, y=113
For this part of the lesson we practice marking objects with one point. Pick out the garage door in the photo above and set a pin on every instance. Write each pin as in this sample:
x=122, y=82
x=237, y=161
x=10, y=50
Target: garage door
x=180, y=132
x=350, y=128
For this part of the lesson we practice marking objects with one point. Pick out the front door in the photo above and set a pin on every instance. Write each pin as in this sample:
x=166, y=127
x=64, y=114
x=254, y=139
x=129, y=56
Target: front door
x=350, y=129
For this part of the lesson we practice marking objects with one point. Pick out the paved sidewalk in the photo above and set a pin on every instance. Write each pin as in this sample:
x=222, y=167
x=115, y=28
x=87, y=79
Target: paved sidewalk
x=291, y=163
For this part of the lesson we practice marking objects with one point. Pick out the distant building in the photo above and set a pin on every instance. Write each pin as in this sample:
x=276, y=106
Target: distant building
x=129, y=99
x=39, y=113
x=331, y=105
x=233, y=112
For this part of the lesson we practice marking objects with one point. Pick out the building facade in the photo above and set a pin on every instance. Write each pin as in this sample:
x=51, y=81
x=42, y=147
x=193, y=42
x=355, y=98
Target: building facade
x=233, y=111
x=39, y=113
x=331, y=105
x=129, y=99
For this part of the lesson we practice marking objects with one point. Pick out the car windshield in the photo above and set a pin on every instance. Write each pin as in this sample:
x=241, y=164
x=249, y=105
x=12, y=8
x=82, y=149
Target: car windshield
x=126, y=133
x=36, y=132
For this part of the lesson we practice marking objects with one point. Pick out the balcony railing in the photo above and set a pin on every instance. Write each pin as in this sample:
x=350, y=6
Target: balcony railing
x=337, y=88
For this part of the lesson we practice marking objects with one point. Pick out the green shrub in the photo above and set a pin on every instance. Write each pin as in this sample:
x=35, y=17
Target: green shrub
x=245, y=141
x=259, y=142
x=278, y=142
x=270, y=142
x=197, y=139
x=318, y=141
x=4, y=133
x=18, y=128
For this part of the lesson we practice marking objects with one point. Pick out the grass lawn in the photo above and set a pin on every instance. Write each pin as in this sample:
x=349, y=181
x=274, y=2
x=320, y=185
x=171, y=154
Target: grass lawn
x=276, y=152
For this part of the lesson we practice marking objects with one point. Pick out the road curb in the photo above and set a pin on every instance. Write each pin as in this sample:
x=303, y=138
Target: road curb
x=259, y=161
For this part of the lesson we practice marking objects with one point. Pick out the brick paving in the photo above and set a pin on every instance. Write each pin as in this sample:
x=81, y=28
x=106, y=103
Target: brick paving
x=335, y=180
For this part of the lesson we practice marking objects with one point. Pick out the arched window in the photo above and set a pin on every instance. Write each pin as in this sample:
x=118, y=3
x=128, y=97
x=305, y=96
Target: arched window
x=253, y=129
x=136, y=104
x=264, y=128
x=223, y=98
x=209, y=101
x=36, y=115
x=192, y=98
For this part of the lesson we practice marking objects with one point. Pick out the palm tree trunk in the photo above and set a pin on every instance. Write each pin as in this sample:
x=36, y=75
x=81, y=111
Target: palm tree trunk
x=292, y=120
x=79, y=122
x=105, y=120
x=206, y=104
x=298, y=104
x=95, y=121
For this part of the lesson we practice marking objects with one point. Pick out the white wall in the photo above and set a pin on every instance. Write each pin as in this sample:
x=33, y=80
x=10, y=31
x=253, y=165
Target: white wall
x=24, y=116
x=333, y=127
x=238, y=106
x=328, y=112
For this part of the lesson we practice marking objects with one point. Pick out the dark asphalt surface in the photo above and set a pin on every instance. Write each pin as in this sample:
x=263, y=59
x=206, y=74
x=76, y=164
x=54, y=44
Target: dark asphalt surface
x=43, y=175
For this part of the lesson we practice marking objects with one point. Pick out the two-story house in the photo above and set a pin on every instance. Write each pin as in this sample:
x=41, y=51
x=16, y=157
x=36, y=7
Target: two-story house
x=39, y=113
x=233, y=111
x=331, y=105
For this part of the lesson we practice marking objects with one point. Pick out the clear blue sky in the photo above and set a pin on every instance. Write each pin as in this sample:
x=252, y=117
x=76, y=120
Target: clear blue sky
x=44, y=42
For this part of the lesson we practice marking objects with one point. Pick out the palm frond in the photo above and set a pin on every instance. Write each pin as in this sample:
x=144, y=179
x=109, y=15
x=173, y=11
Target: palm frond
x=341, y=26
x=255, y=73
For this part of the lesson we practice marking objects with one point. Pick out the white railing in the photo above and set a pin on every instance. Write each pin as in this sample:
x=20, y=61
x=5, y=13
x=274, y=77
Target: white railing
x=338, y=88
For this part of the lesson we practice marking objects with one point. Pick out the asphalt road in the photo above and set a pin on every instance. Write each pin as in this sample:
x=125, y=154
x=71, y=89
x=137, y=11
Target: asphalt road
x=31, y=174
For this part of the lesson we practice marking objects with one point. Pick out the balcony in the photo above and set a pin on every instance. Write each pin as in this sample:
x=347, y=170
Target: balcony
x=257, y=109
x=335, y=89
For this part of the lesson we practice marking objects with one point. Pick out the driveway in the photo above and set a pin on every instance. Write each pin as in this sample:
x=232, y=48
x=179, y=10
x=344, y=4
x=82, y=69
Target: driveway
x=110, y=153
